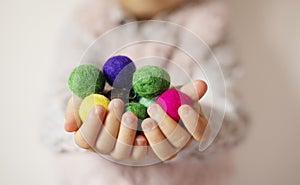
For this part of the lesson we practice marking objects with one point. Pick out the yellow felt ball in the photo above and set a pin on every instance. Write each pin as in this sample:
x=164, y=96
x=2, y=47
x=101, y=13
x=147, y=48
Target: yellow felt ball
x=89, y=102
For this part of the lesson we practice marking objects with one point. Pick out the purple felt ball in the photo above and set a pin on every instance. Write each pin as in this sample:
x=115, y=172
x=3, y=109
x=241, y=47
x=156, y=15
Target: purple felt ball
x=171, y=100
x=118, y=71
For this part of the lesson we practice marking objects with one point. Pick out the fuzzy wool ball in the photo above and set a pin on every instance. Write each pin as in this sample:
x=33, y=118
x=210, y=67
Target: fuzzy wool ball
x=150, y=81
x=89, y=102
x=146, y=102
x=118, y=71
x=138, y=109
x=85, y=80
x=171, y=100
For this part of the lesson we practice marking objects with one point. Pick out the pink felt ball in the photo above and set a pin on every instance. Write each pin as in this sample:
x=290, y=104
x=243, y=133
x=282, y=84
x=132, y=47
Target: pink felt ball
x=171, y=100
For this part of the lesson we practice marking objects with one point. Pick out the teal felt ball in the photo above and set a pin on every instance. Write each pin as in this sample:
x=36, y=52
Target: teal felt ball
x=86, y=80
x=150, y=81
x=147, y=102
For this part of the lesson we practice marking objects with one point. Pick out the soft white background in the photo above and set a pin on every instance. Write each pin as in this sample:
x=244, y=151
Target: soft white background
x=265, y=33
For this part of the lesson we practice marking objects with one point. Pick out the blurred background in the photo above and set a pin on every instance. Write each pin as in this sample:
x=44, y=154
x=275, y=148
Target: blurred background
x=267, y=40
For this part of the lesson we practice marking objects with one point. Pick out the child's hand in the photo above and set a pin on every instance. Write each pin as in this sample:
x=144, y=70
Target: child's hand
x=107, y=132
x=166, y=136
x=110, y=132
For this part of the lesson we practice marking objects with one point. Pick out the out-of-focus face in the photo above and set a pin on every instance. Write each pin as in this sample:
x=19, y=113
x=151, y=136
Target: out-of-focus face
x=145, y=9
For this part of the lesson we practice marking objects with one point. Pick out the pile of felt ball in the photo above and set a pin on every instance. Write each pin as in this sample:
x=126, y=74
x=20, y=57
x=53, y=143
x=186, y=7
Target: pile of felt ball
x=138, y=88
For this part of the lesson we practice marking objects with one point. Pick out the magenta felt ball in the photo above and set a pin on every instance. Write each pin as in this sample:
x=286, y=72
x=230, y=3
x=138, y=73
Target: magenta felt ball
x=171, y=100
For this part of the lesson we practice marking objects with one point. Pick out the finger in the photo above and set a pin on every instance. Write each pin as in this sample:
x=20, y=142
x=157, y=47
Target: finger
x=86, y=136
x=176, y=135
x=139, y=150
x=72, y=119
x=126, y=136
x=80, y=141
x=151, y=154
x=107, y=136
x=195, y=89
x=159, y=144
x=194, y=122
x=197, y=107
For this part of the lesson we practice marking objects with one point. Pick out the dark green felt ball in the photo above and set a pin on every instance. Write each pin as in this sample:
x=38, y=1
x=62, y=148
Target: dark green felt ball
x=138, y=109
x=86, y=80
x=150, y=81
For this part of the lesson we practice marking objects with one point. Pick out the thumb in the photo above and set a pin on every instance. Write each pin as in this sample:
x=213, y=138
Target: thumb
x=72, y=119
x=195, y=90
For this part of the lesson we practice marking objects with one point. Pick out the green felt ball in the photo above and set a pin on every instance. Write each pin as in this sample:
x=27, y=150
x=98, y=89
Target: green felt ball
x=146, y=102
x=150, y=81
x=86, y=80
x=138, y=109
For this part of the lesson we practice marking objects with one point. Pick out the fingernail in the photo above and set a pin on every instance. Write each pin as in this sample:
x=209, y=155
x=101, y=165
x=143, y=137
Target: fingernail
x=129, y=120
x=99, y=111
x=148, y=125
x=117, y=104
x=154, y=109
x=141, y=142
x=184, y=111
x=156, y=113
